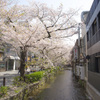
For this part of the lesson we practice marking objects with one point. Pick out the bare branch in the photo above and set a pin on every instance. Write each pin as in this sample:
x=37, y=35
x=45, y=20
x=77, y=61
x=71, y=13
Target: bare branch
x=60, y=56
x=56, y=20
x=31, y=36
x=66, y=36
x=45, y=27
x=68, y=18
x=61, y=29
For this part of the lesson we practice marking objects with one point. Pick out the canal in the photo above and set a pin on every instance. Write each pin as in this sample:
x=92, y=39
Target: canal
x=63, y=87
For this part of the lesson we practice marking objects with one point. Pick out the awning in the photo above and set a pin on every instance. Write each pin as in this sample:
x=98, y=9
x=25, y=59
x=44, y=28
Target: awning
x=12, y=57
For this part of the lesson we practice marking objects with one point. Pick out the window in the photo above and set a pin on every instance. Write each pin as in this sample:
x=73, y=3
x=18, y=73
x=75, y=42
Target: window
x=94, y=26
x=99, y=19
x=87, y=36
x=97, y=64
x=2, y=65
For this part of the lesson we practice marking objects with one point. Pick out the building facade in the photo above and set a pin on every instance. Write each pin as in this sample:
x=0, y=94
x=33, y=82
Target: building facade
x=78, y=61
x=2, y=63
x=12, y=61
x=84, y=15
x=93, y=50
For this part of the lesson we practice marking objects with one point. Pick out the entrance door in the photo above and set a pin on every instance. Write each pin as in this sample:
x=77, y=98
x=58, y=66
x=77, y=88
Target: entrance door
x=99, y=65
x=10, y=66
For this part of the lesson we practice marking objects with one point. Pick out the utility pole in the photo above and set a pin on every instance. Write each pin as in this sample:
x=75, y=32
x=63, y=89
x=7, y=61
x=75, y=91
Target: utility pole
x=79, y=34
x=79, y=42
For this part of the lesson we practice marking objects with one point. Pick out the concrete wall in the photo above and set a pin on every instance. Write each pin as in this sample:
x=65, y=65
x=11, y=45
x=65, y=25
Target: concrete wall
x=94, y=80
x=92, y=92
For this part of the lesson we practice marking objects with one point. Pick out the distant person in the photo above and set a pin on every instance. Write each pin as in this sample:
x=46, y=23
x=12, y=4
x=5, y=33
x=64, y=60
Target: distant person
x=18, y=70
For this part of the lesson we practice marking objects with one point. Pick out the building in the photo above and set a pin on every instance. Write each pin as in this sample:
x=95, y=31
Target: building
x=12, y=61
x=2, y=63
x=79, y=52
x=84, y=15
x=93, y=50
x=78, y=60
x=74, y=57
x=87, y=63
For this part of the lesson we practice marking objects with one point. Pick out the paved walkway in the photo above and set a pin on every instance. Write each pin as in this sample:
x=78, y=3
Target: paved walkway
x=9, y=75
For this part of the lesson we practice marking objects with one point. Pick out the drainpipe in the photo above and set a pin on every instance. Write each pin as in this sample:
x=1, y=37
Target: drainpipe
x=79, y=34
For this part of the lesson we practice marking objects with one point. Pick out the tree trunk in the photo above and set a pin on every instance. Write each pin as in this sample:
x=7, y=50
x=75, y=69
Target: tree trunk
x=22, y=63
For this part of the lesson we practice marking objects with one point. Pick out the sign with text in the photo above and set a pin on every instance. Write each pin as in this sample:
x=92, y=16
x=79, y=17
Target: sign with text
x=75, y=53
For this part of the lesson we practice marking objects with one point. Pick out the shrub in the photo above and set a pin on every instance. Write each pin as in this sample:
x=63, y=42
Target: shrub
x=17, y=91
x=3, y=90
x=16, y=78
x=30, y=78
x=58, y=68
x=36, y=76
x=81, y=82
x=18, y=81
x=54, y=69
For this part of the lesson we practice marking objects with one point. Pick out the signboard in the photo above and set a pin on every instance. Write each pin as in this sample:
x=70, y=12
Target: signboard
x=75, y=53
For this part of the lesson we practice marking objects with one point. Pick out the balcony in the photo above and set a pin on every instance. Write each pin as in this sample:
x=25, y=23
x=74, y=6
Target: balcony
x=93, y=7
x=94, y=39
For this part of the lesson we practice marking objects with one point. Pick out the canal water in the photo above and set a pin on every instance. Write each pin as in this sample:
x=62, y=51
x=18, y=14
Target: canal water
x=61, y=87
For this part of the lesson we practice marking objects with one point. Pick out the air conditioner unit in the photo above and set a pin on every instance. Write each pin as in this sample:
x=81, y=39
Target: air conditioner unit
x=82, y=73
x=77, y=70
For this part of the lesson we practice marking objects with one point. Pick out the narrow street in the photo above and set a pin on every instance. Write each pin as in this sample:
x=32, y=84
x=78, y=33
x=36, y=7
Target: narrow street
x=64, y=87
x=9, y=75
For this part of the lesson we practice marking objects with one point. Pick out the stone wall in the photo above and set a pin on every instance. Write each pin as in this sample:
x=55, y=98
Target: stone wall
x=24, y=93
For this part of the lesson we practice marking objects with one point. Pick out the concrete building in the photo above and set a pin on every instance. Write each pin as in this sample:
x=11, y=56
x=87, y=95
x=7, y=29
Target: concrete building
x=2, y=63
x=74, y=57
x=12, y=61
x=78, y=60
x=79, y=51
x=93, y=50
x=84, y=15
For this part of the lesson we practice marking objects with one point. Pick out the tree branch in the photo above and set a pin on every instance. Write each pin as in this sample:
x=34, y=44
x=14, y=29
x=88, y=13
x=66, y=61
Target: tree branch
x=30, y=36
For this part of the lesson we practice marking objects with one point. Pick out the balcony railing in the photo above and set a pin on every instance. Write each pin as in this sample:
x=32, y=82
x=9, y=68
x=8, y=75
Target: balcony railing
x=93, y=7
x=94, y=39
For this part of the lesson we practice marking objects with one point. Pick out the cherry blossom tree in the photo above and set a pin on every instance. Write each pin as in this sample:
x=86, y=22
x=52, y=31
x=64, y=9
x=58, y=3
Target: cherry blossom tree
x=35, y=26
x=56, y=21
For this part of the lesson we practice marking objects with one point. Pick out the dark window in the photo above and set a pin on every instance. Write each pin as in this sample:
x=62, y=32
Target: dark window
x=10, y=66
x=2, y=64
x=94, y=26
x=87, y=36
x=90, y=32
x=99, y=19
x=97, y=64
